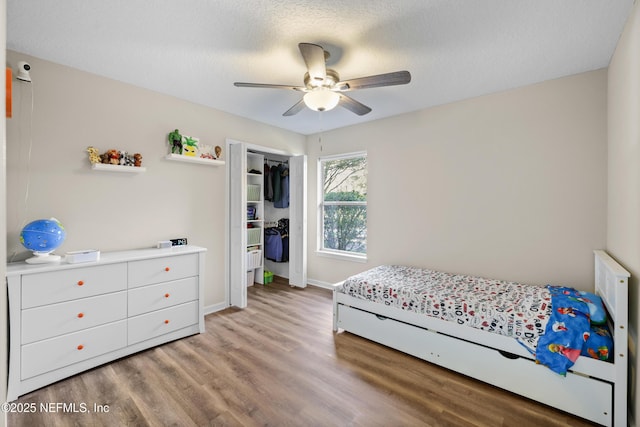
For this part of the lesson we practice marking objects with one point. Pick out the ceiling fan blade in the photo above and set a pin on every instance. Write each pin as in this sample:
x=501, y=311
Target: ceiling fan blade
x=353, y=105
x=313, y=56
x=388, y=79
x=270, y=86
x=295, y=109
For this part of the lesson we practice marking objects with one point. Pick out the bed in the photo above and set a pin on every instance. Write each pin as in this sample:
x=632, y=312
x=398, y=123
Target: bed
x=590, y=388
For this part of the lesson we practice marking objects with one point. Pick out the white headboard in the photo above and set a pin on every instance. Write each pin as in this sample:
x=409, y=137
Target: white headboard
x=612, y=285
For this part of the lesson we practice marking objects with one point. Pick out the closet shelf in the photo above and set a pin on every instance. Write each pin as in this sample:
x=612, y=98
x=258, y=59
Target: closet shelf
x=117, y=168
x=197, y=160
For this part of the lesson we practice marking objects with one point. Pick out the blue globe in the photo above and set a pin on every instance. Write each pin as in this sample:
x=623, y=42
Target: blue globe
x=43, y=235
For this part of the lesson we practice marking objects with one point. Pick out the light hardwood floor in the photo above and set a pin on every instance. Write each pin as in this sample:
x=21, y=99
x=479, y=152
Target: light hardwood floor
x=278, y=363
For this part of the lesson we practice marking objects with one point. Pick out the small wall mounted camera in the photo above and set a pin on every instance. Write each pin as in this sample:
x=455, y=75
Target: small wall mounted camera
x=23, y=71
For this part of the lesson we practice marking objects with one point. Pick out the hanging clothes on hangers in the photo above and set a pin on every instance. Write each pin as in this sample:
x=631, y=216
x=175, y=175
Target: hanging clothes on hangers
x=276, y=183
x=283, y=227
x=283, y=202
x=268, y=183
x=272, y=244
x=276, y=241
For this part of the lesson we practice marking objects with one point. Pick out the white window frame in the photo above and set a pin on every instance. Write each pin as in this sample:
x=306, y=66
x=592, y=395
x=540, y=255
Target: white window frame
x=320, y=250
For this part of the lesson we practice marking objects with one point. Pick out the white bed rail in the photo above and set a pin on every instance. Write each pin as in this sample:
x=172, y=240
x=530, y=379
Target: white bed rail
x=612, y=284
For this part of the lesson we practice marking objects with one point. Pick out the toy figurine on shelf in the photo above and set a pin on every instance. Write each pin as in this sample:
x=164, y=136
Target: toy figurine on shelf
x=113, y=156
x=206, y=152
x=129, y=160
x=218, y=152
x=175, y=141
x=189, y=146
x=137, y=159
x=94, y=156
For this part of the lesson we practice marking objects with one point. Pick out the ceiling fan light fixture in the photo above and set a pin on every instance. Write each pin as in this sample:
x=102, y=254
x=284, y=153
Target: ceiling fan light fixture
x=323, y=87
x=321, y=99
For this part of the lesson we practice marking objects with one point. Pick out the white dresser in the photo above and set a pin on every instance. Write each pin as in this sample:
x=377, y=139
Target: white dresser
x=67, y=318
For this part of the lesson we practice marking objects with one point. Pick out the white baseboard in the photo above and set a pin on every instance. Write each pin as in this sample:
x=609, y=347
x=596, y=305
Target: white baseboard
x=319, y=284
x=216, y=307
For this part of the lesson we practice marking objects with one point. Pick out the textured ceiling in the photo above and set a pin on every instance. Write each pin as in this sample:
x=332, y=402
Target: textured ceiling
x=196, y=49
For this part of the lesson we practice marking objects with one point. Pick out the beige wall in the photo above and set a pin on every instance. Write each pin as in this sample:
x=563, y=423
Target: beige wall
x=108, y=211
x=623, y=215
x=510, y=185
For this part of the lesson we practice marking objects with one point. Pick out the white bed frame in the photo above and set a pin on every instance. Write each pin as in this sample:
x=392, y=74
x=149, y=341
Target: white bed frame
x=593, y=389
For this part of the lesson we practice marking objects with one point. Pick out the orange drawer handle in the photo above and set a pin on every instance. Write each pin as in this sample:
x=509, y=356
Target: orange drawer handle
x=80, y=315
x=166, y=295
x=166, y=322
x=80, y=347
x=167, y=269
x=80, y=283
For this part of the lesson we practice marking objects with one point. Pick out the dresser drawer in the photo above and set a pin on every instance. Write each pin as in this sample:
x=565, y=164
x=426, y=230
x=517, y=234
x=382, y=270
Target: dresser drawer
x=150, y=325
x=44, y=356
x=163, y=295
x=58, y=319
x=65, y=285
x=156, y=270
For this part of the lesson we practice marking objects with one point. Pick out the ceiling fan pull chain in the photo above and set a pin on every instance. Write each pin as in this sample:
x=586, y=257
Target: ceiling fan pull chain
x=321, y=130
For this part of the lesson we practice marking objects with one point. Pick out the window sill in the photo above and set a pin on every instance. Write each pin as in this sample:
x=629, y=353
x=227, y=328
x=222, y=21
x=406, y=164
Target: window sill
x=342, y=256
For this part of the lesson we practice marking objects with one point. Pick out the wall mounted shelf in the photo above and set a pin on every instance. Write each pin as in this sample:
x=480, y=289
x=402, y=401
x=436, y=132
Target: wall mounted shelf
x=198, y=160
x=117, y=168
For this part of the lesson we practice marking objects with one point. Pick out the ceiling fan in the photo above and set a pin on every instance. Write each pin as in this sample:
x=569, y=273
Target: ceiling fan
x=323, y=88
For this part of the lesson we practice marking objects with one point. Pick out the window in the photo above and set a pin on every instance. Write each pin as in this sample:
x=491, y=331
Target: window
x=343, y=205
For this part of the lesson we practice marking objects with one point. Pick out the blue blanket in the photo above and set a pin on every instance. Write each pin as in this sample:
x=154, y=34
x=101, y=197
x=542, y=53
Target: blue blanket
x=567, y=330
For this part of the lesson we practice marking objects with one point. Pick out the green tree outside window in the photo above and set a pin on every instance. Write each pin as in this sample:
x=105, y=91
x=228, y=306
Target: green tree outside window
x=344, y=204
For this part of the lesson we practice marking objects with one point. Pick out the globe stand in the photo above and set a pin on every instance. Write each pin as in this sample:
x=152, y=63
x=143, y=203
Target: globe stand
x=43, y=258
x=42, y=237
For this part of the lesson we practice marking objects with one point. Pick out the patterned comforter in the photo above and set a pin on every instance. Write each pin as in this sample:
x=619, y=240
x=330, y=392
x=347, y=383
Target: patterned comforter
x=506, y=308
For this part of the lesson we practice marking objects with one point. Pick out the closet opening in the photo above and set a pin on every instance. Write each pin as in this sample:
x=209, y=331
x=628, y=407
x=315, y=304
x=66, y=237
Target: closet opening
x=276, y=217
x=266, y=218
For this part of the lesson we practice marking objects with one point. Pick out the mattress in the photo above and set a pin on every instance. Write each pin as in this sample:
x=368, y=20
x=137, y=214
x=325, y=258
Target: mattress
x=512, y=309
